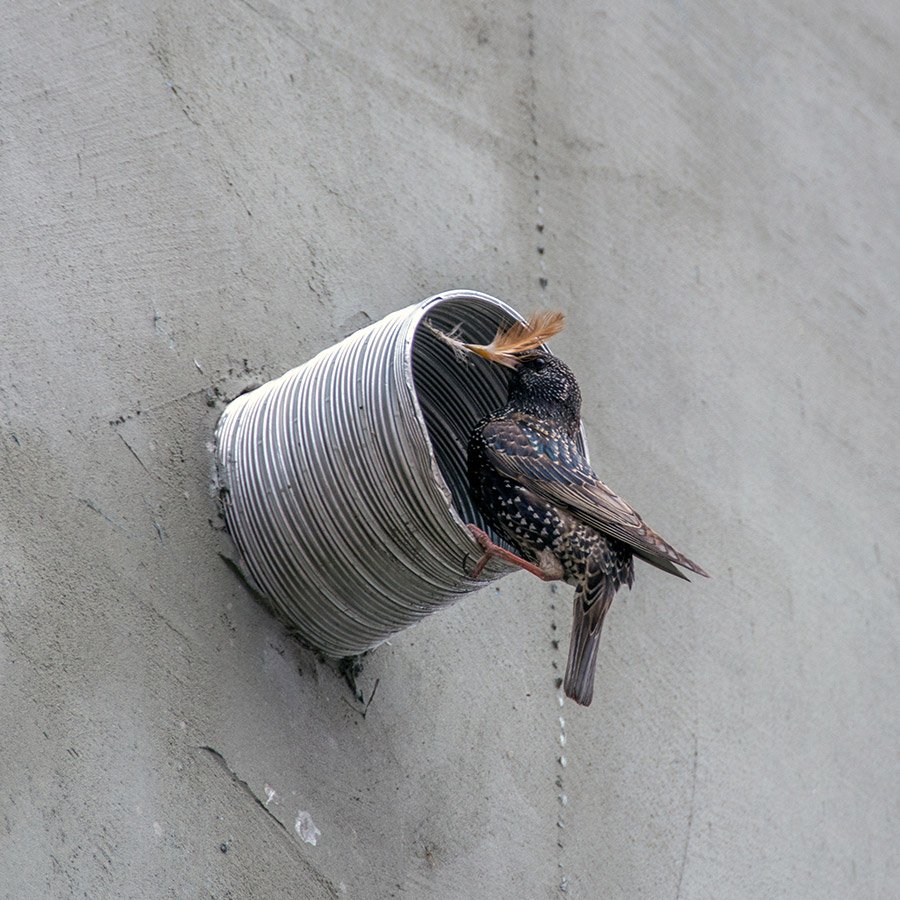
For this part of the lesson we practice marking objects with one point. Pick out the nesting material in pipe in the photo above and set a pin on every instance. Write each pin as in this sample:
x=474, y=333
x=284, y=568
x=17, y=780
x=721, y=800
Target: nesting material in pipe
x=344, y=481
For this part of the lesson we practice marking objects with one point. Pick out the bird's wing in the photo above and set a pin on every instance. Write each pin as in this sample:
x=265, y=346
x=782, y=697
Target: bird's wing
x=549, y=464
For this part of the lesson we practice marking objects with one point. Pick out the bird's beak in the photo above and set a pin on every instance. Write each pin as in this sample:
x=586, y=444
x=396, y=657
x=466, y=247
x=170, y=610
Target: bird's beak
x=485, y=352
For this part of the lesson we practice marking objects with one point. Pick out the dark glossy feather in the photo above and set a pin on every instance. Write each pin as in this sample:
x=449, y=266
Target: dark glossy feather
x=548, y=462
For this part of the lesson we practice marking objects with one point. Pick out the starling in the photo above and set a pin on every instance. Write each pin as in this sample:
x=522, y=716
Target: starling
x=534, y=486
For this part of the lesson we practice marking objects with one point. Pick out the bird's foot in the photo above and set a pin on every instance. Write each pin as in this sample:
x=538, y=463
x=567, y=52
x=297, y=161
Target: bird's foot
x=492, y=550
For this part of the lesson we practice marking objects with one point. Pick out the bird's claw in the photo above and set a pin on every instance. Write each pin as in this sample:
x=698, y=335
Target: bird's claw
x=492, y=550
x=486, y=544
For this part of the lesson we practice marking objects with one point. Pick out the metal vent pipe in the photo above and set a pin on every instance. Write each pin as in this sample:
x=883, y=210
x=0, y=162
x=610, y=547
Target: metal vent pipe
x=344, y=480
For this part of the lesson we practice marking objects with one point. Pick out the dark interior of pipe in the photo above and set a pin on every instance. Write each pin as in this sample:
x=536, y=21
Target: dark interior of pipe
x=455, y=392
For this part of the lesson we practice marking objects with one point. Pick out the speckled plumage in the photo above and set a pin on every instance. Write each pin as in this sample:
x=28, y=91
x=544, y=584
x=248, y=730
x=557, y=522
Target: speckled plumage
x=534, y=486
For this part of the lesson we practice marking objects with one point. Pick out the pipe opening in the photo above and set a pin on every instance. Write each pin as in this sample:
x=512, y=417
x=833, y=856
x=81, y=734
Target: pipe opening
x=455, y=393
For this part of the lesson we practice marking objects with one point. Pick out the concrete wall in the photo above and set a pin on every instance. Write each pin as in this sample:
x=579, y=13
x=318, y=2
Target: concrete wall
x=200, y=194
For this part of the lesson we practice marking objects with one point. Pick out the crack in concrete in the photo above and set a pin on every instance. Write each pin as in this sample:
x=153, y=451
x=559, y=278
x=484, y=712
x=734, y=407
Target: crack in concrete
x=132, y=451
x=94, y=508
x=244, y=786
x=188, y=643
x=122, y=418
x=690, y=821
x=322, y=880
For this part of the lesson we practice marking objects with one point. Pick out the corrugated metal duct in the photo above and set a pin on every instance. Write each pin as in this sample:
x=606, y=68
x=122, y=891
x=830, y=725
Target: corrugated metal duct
x=345, y=487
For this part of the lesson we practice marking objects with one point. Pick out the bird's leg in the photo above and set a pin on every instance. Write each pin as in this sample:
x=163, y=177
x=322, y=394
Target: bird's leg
x=491, y=550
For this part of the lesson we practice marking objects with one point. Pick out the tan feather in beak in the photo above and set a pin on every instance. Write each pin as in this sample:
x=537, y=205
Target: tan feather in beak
x=508, y=345
x=485, y=352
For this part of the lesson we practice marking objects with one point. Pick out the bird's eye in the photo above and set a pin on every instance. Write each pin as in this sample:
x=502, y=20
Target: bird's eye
x=539, y=363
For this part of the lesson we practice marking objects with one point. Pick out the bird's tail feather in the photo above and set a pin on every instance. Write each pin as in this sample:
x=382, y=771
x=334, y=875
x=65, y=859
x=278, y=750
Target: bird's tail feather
x=591, y=604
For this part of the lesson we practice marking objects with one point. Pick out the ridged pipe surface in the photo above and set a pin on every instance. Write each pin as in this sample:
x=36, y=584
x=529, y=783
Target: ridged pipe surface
x=344, y=480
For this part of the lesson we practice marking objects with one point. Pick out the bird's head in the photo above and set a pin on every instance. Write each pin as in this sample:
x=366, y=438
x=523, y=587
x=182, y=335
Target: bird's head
x=545, y=385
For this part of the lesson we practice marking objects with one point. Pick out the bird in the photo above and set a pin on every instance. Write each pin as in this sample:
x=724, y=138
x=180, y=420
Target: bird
x=534, y=486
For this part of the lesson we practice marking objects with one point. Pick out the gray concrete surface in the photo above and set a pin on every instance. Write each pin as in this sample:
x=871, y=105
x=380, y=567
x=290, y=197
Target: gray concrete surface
x=200, y=194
